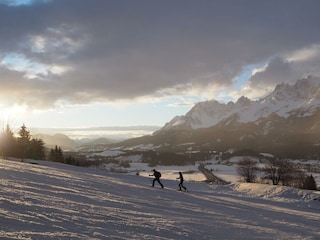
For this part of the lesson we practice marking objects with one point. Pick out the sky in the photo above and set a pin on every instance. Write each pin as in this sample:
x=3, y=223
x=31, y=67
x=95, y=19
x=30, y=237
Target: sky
x=91, y=63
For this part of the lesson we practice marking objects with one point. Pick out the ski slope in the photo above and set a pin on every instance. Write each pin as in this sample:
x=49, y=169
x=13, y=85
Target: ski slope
x=48, y=200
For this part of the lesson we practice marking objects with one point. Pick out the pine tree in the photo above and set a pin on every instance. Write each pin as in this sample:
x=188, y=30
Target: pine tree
x=309, y=183
x=36, y=150
x=7, y=143
x=60, y=157
x=56, y=155
x=51, y=156
x=23, y=141
x=70, y=160
x=23, y=146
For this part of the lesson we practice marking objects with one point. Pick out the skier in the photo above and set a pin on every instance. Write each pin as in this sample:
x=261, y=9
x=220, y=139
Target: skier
x=181, y=182
x=157, y=176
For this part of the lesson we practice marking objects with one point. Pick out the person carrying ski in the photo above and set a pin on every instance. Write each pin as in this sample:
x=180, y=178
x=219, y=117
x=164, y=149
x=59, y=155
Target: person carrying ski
x=181, y=182
x=157, y=176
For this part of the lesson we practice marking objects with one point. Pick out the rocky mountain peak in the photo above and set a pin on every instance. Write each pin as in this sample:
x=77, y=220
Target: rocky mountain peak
x=244, y=101
x=285, y=124
x=284, y=101
x=306, y=88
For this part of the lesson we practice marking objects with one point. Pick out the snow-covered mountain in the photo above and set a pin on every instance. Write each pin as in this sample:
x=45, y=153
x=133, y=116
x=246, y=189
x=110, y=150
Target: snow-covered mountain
x=300, y=99
x=285, y=123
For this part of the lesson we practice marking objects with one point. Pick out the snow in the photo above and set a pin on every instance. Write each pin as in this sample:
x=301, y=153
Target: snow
x=110, y=153
x=267, y=155
x=284, y=101
x=47, y=200
x=142, y=147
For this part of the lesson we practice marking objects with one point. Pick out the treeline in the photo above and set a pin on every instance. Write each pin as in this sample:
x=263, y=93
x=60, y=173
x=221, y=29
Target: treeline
x=56, y=155
x=23, y=146
x=154, y=158
x=275, y=171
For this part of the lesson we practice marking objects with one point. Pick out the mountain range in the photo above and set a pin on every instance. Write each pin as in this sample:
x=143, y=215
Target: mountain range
x=285, y=123
x=89, y=138
x=67, y=143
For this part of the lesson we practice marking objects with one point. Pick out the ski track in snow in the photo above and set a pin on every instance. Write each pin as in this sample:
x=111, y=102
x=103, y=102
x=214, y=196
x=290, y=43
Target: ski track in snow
x=55, y=201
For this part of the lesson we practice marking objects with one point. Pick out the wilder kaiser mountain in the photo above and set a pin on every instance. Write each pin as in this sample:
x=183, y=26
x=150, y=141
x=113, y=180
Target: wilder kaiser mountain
x=301, y=99
x=285, y=123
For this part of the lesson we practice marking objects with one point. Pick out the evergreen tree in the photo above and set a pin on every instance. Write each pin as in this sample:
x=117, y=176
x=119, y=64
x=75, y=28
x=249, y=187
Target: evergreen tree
x=70, y=160
x=23, y=142
x=36, y=149
x=7, y=143
x=60, y=157
x=56, y=155
x=51, y=156
x=309, y=183
x=23, y=146
x=24, y=133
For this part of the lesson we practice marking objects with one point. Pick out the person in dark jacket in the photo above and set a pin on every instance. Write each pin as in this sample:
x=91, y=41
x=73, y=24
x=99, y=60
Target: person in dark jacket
x=157, y=176
x=181, y=182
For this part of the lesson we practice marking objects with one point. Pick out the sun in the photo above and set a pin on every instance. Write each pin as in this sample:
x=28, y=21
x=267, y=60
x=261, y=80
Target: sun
x=12, y=114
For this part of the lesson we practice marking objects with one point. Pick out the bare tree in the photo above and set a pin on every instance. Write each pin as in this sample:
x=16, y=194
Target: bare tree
x=282, y=170
x=274, y=170
x=247, y=168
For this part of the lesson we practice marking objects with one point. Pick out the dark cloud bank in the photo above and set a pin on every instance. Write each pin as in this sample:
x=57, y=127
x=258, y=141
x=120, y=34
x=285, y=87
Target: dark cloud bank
x=123, y=49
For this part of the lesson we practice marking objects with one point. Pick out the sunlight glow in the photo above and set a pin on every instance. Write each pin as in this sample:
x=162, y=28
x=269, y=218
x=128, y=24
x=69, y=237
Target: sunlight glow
x=9, y=114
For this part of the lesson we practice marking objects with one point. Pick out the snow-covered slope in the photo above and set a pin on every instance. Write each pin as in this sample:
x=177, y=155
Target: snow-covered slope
x=55, y=201
x=286, y=100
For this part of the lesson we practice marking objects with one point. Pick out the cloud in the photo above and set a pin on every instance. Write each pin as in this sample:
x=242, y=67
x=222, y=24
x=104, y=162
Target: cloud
x=283, y=69
x=306, y=61
x=278, y=70
x=112, y=50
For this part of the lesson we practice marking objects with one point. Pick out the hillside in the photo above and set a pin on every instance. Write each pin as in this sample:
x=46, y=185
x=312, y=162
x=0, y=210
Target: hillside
x=54, y=201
